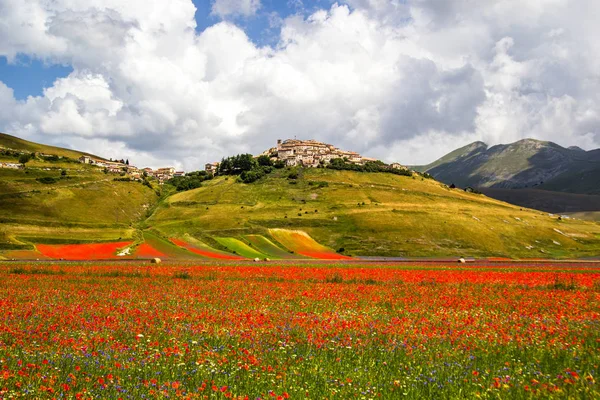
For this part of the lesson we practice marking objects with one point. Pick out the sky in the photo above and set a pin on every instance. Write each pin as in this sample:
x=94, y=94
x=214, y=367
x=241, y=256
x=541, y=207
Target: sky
x=186, y=82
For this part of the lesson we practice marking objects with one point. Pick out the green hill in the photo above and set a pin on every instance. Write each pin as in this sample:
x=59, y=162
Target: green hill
x=55, y=200
x=372, y=214
x=15, y=143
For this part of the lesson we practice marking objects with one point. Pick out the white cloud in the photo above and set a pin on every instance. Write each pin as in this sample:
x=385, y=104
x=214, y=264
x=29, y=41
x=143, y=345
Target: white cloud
x=226, y=8
x=404, y=81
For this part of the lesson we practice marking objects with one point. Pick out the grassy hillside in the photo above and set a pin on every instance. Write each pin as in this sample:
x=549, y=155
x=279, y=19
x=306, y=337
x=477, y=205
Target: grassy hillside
x=462, y=153
x=373, y=214
x=15, y=143
x=83, y=205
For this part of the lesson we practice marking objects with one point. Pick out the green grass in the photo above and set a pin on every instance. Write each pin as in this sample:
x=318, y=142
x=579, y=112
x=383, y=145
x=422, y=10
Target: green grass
x=201, y=243
x=238, y=247
x=375, y=214
x=84, y=206
x=266, y=246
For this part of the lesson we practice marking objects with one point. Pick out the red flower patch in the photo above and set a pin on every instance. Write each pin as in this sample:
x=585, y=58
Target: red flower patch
x=92, y=251
x=146, y=251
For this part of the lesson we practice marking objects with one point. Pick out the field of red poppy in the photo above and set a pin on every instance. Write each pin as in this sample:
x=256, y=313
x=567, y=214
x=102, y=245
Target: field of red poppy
x=328, y=330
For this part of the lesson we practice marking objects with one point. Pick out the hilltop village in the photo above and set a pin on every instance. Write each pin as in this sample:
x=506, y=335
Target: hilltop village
x=307, y=154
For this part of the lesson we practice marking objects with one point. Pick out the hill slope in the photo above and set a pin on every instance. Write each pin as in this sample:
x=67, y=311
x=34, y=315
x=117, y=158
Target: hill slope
x=523, y=164
x=43, y=204
x=373, y=214
x=15, y=143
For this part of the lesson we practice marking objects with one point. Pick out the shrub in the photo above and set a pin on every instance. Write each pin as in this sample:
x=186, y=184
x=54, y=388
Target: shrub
x=24, y=158
x=264, y=161
x=279, y=164
x=47, y=180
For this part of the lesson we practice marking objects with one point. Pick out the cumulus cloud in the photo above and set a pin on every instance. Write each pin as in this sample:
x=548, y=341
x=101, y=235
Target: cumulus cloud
x=226, y=8
x=403, y=81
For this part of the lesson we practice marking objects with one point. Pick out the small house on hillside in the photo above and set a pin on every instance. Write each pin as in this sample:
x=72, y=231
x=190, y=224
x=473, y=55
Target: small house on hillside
x=397, y=166
x=87, y=160
x=211, y=168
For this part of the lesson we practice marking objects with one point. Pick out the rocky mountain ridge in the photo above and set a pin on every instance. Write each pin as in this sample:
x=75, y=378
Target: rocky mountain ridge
x=527, y=163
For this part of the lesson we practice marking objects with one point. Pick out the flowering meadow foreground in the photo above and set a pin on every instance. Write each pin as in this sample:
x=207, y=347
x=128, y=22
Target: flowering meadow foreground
x=300, y=331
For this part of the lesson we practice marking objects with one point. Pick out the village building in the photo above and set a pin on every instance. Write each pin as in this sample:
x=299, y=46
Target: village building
x=87, y=160
x=179, y=173
x=211, y=168
x=398, y=166
x=168, y=171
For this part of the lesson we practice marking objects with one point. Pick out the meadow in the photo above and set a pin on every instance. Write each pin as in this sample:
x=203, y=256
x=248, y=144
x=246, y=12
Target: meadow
x=294, y=329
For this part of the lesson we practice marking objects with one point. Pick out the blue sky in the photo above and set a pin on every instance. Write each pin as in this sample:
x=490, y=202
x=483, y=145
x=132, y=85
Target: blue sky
x=28, y=76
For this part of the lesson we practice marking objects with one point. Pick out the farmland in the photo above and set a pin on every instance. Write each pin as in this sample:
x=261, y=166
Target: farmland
x=299, y=330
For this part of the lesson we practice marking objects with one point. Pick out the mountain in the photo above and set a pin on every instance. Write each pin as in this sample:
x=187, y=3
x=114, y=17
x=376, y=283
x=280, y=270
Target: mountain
x=524, y=164
x=355, y=213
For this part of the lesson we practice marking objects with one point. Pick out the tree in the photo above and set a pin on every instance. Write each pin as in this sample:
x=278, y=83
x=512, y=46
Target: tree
x=245, y=162
x=127, y=162
x=24, y=158
x=225, y=166
x=264, y=161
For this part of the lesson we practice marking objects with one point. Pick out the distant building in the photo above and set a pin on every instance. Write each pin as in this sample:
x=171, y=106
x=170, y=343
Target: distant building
x=87, y=160
x=168, y=171
x=115, y=168
x=179, y=173
x=397, y=166
x=211, y=168
x=11, y=165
